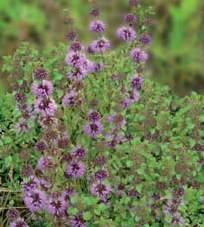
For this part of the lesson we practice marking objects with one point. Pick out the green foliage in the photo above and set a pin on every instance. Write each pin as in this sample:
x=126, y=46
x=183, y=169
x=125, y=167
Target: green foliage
x=178, y=45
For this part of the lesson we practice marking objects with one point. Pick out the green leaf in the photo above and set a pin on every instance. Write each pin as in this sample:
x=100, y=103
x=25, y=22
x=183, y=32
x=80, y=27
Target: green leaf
x=87, y=215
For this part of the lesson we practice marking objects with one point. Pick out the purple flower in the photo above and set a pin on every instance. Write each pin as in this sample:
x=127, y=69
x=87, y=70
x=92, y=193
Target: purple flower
x=93, y=129
x=132, y=97
x=12, y=214
x=133, y=2
x=100, y=160
x=19, y=222
x=71, y=36
x=67, y=193
x=45, y=106
x=45, y=162
x=77, y=221
x=95, y=67
x=63, y=142
x=145, y=39
x=40, y=74
x=170, y=206
x=100, y=45
x=44, y=184
x=130, y=18
x=42, y=88
x=20, y=97
x=47, y=121
x=77, y=73
x=75, y=169
x=101, y=174
x=87, y=66
x=101, y=190
x=35, y=200
x=30, y=184
x=94, y=116
x=70, y=98
x=26, y=170
x=97, y=26
x=117, y=119
x=57, y=205
x=114, y=139
x=178, y=220
x=95, y=12
x=22, y=125
x=76, y=46
x=78, y=152
x=40, y=146
x=126, y=33
x=74, y=58
x=138, y=55
x=137, y=81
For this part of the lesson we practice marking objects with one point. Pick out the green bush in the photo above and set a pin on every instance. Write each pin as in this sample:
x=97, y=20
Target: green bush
x=156, y=176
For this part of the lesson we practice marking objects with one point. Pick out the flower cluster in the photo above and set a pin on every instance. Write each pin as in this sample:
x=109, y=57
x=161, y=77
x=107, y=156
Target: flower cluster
x=70, y=164
x=44, y=104
x=75, y=167
x=93, y=128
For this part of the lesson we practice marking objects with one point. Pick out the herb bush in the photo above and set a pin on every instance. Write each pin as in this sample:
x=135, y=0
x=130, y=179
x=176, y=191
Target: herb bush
x=92, y=142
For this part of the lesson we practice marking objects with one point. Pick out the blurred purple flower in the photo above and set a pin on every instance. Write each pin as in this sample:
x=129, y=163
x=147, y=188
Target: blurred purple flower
x=94, y=116
x=99, y=45
x=40, y=74
x=93, y=129
x=133, y=2
x=137, y=81
x=95, y=67
x=114, y=139
x=95, y=12
x=132, y=97
x=19, y=222
x=35, y=200
x=45, y=162
x=30, y=184
x=22, y=125
x=100, y=190
x=126, y=33
x=77, y=221
x=45, y=106
x=74, y=59
x=117, y=119
x=44, y=184
x=71, y=36
x=101, y=174
x=42, y=88
x=77, y=73
x=76, y=46
x=75, y=168
x=70, y=98
x=97, y=26
x=40, y=146
x=145, y=38
x=57, y=205
x=67, y=193
x=130, y=18
x=100, y=160
x=12, y=214
x=138, y=55
x=78, y=152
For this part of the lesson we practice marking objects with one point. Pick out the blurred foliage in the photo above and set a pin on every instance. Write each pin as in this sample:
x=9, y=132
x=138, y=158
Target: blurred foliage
x=178, y=44
x=177, y=30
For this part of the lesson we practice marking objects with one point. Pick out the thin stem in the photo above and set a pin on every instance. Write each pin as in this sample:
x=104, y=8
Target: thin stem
x=7, y=208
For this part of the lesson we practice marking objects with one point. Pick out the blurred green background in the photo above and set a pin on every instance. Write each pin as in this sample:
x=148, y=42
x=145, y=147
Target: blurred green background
x=177, y=50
